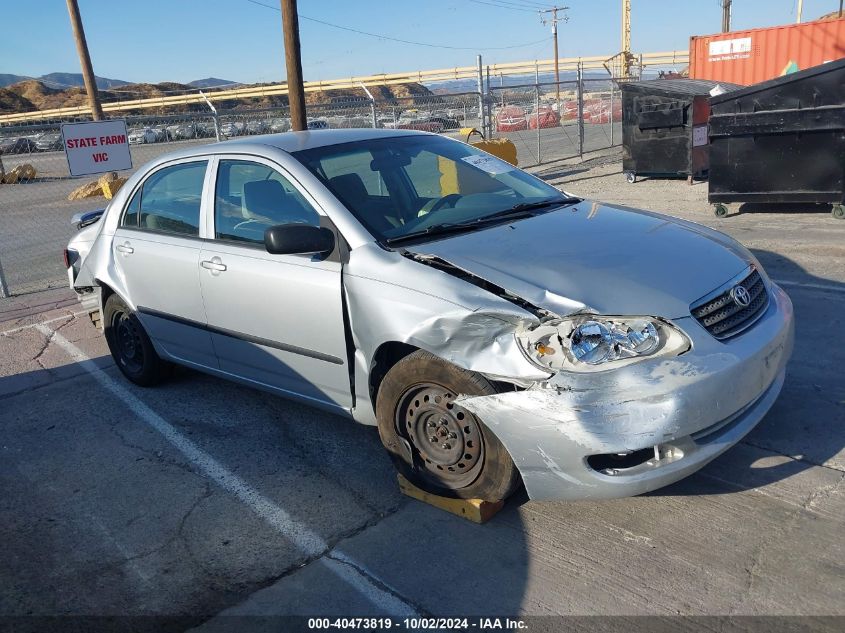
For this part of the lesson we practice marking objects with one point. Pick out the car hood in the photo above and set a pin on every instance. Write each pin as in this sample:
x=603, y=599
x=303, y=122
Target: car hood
x=611, y=259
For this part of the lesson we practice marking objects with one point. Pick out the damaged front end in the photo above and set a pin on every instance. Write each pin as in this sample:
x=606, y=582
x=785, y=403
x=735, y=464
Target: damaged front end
x=599, y=406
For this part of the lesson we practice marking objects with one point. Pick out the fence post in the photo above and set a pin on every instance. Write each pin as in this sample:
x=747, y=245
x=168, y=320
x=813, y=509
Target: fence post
x=580, y=110
x=489, y=103
x=611, y=111
x=372, y=104
x=537, y=110
x=480, y=94
x=4, y=287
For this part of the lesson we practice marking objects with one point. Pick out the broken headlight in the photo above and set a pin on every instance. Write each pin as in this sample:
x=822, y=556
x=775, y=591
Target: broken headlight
x=589, y=342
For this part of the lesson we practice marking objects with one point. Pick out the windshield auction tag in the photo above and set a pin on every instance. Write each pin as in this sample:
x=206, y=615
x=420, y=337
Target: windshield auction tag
x=489, y=164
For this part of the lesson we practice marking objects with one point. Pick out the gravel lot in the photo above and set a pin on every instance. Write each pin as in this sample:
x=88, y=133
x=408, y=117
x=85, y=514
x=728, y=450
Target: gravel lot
x=205, y=500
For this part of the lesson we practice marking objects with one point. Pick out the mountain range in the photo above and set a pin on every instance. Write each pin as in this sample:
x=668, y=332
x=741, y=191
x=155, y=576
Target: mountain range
x=74, y=80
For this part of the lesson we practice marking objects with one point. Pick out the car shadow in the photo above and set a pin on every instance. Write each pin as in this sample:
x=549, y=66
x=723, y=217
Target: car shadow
x=805, y=428
x=783, y=208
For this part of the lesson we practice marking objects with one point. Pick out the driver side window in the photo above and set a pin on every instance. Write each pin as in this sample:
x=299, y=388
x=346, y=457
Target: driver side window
x=251, y=197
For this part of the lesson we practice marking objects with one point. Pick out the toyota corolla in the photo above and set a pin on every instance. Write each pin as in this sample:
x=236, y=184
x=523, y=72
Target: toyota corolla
x=496, y=330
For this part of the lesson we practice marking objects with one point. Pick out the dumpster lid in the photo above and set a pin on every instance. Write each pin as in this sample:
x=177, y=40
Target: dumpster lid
x=814, y=71
x=672, y=87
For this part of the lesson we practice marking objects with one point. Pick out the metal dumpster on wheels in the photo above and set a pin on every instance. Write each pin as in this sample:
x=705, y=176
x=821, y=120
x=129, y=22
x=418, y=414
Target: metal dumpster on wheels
x=781, y=141
x=664, y=127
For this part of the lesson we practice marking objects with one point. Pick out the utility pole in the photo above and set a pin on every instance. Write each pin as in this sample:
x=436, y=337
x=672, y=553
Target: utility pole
x=799, y=11
x=626, y=38
x=85, y=61
x=554, y=20
x=726, y=16
x=293, y=63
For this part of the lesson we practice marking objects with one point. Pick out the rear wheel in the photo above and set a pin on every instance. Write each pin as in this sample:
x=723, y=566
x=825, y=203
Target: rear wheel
x=436, y=444
x=631, y=177
x=130, y=346
x=838, y=211
x=720, y=210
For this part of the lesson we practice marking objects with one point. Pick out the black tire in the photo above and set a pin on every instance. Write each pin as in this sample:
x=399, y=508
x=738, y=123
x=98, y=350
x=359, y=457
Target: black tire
x=130, y=347
x=631, y=177
x=720, y=210
x=438, y=446
x=838, y=211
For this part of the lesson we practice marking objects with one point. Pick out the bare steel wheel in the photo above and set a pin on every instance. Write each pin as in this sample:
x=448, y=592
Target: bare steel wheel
x=435, y=443
x=447, y=438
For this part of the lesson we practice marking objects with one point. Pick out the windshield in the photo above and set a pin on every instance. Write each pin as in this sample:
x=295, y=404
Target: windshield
x=408, y=187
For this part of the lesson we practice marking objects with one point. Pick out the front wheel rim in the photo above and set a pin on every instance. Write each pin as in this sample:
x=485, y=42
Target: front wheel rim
x=448, y=447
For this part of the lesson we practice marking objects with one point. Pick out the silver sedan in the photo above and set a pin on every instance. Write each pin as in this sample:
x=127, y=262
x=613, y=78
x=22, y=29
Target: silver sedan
x=496, y=330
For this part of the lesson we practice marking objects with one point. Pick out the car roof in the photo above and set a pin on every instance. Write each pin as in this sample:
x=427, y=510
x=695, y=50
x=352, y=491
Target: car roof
x=309, y=139
x=289, y=141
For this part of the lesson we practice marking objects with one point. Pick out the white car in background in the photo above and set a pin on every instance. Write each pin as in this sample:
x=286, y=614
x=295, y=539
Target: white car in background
x=141, y=135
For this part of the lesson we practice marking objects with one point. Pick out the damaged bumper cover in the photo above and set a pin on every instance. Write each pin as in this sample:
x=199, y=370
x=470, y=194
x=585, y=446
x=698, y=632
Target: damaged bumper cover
x=630, y=430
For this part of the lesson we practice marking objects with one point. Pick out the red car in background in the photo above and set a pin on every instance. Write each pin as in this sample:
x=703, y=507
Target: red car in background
x=511, y=119
x=545, y=116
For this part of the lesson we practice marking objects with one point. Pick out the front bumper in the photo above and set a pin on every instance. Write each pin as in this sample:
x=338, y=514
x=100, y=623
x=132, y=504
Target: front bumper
x=684, y=411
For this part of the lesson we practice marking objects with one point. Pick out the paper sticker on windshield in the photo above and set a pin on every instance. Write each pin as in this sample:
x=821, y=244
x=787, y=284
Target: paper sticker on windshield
x=489, y=164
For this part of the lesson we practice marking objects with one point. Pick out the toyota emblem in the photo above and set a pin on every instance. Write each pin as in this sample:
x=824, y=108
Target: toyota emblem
x=741, y=296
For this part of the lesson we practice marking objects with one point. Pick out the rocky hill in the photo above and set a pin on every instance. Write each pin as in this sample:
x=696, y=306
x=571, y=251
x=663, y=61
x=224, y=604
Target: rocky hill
x=32, y=94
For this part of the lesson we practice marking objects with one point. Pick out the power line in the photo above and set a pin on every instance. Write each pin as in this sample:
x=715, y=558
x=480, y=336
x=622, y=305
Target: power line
x=504, y=6
x=396, y=39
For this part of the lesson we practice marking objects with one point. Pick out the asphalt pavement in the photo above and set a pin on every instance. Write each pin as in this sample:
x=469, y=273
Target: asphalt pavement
x=205, y=503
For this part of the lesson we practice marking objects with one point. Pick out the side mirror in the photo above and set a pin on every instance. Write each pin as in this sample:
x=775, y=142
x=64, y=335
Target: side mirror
x=298, y=239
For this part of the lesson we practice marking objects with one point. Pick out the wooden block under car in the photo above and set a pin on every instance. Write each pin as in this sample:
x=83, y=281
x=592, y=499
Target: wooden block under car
x=476, y=510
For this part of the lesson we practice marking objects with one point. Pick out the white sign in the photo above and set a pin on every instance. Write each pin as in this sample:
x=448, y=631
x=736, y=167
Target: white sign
x=738, y=48
x=96, y=148
x=489, y=164
x=699, y=135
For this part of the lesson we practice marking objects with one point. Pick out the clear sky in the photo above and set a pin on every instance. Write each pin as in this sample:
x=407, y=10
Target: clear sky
x=183, y=40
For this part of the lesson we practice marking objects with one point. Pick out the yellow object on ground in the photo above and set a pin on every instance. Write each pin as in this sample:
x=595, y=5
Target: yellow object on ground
x=475, y=510
x=21, y=173
x=106, y=185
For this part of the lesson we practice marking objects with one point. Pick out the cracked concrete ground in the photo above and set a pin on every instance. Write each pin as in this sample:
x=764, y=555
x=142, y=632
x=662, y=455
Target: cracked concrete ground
x=101, y=514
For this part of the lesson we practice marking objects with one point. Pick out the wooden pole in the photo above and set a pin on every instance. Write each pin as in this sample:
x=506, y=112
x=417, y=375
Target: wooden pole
x=85, y=61
x=293, y=63
x=726, y=16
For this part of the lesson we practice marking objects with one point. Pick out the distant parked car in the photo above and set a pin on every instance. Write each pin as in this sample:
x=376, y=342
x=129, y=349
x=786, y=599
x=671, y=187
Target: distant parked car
x=442, y=117
x=317, y=124
x=233, y=128
x=279, y=125
x=141, y=135
x=511, y=119
x=181, y=131
x=49, y=142
x=16, y=145
x=206, y=129
x=421, y=125
x=545, y=117
x=160, y=132
x=257, y=127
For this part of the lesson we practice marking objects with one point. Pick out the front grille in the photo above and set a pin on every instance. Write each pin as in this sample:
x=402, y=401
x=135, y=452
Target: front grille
x=723, y=317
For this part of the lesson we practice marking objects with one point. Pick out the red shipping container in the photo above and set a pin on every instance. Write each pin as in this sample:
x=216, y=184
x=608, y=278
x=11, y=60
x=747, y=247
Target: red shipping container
x=748, y=57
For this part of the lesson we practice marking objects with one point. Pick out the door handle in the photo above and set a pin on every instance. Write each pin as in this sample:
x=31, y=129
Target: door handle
x=215, y=265
x=125, y=248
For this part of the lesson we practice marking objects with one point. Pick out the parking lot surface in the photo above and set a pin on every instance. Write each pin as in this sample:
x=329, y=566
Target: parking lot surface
x=207, y=500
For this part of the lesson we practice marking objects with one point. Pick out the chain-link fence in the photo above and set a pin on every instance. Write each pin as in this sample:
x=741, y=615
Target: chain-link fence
x=546, y=121
x=36, y=208
x=553, y=121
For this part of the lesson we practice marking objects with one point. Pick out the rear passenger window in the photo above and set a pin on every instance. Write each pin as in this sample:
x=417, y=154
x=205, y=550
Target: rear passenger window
x=169, y=200
x=250, y=198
